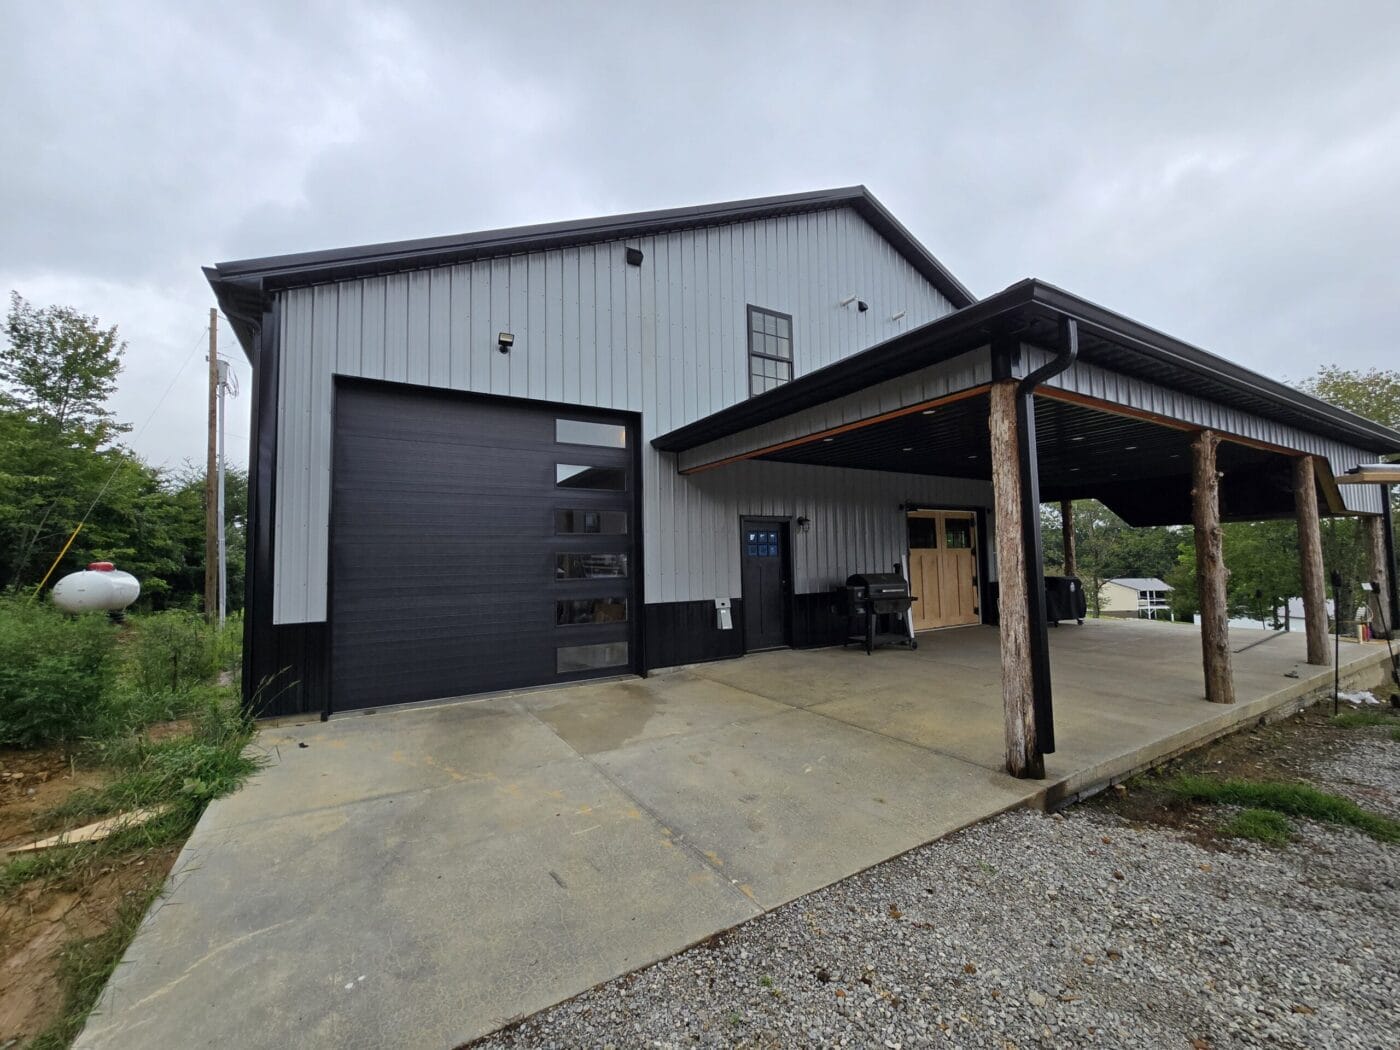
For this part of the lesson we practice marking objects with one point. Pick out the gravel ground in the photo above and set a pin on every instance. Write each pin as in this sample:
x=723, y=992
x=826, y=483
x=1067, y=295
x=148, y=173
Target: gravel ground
x=1368, y=772
x=1034, y=930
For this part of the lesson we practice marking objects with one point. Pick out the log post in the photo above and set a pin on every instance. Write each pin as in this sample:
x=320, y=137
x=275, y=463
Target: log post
x=1067, y=532
x=1211, y=573
x=1310, y=555
x=1378, y=559
x=1023, y=757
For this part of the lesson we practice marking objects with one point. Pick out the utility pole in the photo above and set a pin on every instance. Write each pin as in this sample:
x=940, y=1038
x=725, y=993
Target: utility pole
x=212, y=525
x=225, y=385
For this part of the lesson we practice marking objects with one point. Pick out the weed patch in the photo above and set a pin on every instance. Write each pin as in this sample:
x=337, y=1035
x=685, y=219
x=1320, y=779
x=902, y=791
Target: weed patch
x=1262, y=825
x=1363, y=719
x=181, y=773
x=1292, y=799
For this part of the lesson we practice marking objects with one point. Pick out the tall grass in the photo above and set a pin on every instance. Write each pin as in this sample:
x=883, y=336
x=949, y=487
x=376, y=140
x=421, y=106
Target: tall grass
x=178, y=775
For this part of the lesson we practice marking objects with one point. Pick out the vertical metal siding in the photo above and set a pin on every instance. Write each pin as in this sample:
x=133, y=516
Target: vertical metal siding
x=1093, y=381
x=667, y=339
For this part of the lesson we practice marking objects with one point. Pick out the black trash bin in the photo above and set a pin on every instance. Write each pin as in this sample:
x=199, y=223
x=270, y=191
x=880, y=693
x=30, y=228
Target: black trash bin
x=1064, y=599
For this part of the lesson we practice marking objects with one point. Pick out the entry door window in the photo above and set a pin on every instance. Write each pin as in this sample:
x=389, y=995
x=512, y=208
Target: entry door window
x=957, y=532
x=923, y=532
x=762, y=544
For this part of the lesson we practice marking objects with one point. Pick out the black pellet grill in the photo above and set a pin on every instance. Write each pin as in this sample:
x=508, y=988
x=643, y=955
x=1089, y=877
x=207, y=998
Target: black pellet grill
x=873, y=600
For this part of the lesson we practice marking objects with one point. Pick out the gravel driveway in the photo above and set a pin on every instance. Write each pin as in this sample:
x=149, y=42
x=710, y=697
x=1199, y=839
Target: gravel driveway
x=1034, y=930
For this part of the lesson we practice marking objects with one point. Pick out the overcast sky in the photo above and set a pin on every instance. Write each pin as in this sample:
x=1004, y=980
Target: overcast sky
x=1226, y=172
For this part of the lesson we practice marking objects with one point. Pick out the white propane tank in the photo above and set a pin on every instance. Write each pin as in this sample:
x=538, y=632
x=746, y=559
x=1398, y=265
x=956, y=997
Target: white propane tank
x=101, y=587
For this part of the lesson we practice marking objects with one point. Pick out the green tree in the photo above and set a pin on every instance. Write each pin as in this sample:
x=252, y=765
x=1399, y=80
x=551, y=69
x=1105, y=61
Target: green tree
x=58, y=466
x=60, y=366
x=1375, y=394
x=1107, y=547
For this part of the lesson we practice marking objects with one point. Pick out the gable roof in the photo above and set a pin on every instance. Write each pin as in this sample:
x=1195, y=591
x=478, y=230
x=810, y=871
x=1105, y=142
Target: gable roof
x=235, y=283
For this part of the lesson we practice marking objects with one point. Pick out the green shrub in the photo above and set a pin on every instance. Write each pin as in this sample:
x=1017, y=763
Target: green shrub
x=171, y=651
x=54, y=671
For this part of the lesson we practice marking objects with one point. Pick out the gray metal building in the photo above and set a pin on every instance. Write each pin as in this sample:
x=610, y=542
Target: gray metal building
x=533, y=455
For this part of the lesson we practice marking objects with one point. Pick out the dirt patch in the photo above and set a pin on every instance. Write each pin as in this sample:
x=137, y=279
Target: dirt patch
x=40, y=919
x=45, y=916
x=32, y=783
x=1300, y=748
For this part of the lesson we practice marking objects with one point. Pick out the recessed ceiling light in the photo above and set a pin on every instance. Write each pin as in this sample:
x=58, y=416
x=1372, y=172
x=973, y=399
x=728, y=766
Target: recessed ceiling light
x=973, y=456
x=928, y=411
x=908, y=448
x=828, y=440
x=1074, y=470
x=1129, y=448
x=1077, y=437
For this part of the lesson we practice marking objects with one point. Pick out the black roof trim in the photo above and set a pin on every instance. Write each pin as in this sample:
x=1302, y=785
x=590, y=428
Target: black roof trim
x=1029, y=311
x=366, y=260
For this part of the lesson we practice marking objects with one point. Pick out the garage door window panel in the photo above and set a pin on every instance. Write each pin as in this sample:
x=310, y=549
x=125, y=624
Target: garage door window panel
x=574, y=659
x=590, y=522
x=578, y=611
x=584, y=432
x=590, y=565
x=584, y=476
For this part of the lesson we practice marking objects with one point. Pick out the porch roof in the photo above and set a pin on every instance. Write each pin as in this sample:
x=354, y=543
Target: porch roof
x=1030, y=312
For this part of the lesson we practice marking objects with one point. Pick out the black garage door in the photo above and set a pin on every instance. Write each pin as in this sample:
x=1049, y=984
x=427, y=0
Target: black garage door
x=477, y=544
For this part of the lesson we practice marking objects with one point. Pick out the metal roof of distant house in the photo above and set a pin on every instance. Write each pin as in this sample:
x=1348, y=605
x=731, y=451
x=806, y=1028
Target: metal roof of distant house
x=230, y=278
x=1142, y=583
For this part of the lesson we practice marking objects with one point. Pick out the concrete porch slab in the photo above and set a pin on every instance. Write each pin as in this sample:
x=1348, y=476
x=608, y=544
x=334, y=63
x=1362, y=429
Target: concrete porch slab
x=418, y=877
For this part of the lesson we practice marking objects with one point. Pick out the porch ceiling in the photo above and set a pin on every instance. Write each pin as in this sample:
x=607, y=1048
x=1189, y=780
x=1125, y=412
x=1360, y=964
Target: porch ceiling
x=1139, y=468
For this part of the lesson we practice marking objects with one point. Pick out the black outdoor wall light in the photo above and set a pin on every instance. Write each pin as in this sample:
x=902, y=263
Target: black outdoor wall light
x=504, y=342
x=804, y=524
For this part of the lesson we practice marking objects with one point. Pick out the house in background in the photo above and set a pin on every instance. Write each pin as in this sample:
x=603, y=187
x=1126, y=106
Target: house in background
x=538, y=455
x=1135, y=596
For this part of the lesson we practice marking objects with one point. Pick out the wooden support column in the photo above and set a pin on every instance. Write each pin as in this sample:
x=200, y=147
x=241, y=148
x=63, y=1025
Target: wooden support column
x=1067, y=531
x=1023, y=757
x=1378, y=563
x=1211, y=573
x=1310, y=554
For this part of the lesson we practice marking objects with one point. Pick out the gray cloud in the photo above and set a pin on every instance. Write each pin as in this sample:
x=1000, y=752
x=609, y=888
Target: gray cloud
x=1226, y=174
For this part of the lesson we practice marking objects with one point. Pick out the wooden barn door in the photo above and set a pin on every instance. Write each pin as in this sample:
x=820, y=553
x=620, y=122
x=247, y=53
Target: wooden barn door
x=943, y=568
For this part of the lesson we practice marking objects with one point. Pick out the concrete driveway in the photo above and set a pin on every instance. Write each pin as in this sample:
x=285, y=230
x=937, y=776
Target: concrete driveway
x=418, y=877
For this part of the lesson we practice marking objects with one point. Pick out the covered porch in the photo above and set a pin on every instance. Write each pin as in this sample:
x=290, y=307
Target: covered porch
x=1052, y=398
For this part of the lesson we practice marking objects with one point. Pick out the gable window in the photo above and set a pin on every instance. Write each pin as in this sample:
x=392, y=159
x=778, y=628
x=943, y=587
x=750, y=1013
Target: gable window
x=770, y=349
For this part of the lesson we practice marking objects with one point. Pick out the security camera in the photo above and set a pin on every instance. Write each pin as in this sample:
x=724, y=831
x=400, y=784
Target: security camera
x=862, y=305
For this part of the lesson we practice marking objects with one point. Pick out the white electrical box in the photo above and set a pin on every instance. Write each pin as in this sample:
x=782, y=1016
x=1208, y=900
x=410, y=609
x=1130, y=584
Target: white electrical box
x=724, y=615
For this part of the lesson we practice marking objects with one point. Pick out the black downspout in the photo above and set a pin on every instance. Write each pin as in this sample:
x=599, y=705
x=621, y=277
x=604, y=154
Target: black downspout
x=1030, y=531
x=1388, y=521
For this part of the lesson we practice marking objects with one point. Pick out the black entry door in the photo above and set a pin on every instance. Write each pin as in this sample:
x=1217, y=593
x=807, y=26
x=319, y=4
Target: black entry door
x=766, y=583
x=477, y=544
